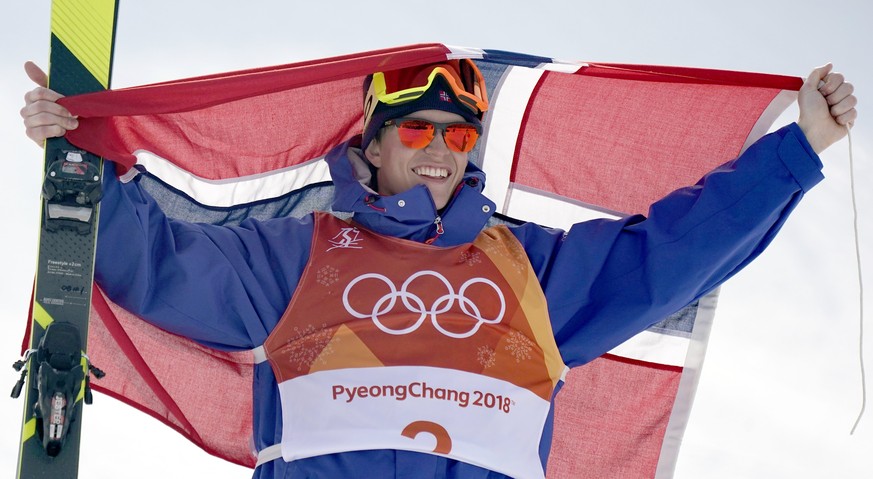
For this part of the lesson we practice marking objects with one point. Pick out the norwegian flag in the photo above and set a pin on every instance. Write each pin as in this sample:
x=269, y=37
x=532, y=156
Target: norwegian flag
x=564, y=140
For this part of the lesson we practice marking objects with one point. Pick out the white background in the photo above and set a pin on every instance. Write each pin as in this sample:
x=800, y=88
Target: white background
x=781, y=385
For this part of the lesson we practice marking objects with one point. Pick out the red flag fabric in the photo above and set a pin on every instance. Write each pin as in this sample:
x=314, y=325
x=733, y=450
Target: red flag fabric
x=563, y=140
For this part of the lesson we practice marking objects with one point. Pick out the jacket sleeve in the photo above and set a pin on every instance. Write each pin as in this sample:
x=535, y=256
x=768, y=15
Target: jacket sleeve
x=607, y=280
x=225, y=287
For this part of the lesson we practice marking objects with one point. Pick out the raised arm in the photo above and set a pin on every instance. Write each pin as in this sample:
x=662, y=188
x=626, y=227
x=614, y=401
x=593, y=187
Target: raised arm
x=607, y=280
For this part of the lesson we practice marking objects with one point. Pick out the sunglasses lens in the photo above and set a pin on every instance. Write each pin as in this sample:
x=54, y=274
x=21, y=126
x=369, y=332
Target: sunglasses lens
x=415, y=133
x=461, y=138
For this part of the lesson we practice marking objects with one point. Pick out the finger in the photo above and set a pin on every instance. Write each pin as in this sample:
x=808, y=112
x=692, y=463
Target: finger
x=39, y=134
x=41, y=93
x=44, y=106
x=841, y=93
x=831, y=82
x=36, y=74
x=844, y=106
x=848, y=118
x=817, y=76
x=44, y=118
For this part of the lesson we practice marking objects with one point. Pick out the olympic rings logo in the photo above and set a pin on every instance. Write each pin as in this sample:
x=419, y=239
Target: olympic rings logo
x=414, y=304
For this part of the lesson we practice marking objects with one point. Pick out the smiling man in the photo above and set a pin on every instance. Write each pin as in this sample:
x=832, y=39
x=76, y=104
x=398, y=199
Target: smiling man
x=413, y=340
x=434, y=164
x=419, y=125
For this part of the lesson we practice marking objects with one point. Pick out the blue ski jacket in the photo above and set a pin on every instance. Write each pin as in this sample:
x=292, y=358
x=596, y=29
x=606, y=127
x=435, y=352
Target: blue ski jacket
x=604, y=280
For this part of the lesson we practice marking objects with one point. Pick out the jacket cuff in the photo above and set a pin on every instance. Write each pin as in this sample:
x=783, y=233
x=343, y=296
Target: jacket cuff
x=799, y=157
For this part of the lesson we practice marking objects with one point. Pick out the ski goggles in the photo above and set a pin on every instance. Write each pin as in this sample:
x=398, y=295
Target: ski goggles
x=416, y=133
x=396, y=87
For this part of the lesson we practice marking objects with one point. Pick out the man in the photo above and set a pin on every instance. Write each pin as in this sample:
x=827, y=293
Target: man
x=429, y=324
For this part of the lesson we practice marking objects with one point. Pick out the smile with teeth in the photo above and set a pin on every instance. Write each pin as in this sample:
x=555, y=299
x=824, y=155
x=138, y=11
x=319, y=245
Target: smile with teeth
x=430, y=171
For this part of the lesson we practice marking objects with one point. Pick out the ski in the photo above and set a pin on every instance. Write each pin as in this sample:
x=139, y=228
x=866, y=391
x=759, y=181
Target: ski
x=55, y=370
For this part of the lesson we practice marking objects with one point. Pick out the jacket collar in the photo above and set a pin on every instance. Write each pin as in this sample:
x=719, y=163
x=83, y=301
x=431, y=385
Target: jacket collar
x=411, y=214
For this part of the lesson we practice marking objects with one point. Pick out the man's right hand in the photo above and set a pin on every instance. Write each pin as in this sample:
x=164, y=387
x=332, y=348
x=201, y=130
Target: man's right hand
x=827, y=107
x=43, y=117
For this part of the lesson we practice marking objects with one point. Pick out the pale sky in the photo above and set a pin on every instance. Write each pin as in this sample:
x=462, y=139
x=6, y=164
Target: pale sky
x=781, y=384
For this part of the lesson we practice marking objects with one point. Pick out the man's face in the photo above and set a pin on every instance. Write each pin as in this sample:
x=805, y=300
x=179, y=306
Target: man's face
x=435, y=166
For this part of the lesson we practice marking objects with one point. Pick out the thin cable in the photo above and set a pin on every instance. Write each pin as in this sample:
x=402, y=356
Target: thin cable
x=860, y=285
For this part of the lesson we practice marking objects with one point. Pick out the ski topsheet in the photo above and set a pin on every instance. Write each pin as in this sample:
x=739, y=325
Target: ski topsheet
x=58, y=371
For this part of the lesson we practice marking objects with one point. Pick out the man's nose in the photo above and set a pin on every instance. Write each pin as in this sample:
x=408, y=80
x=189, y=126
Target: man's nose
x=438, y=144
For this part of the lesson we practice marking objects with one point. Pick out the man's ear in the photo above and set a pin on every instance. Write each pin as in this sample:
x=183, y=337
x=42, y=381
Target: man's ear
x=373, y=153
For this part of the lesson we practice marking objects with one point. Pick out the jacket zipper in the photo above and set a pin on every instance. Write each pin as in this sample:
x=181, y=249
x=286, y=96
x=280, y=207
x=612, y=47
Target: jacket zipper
x=438, y=221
